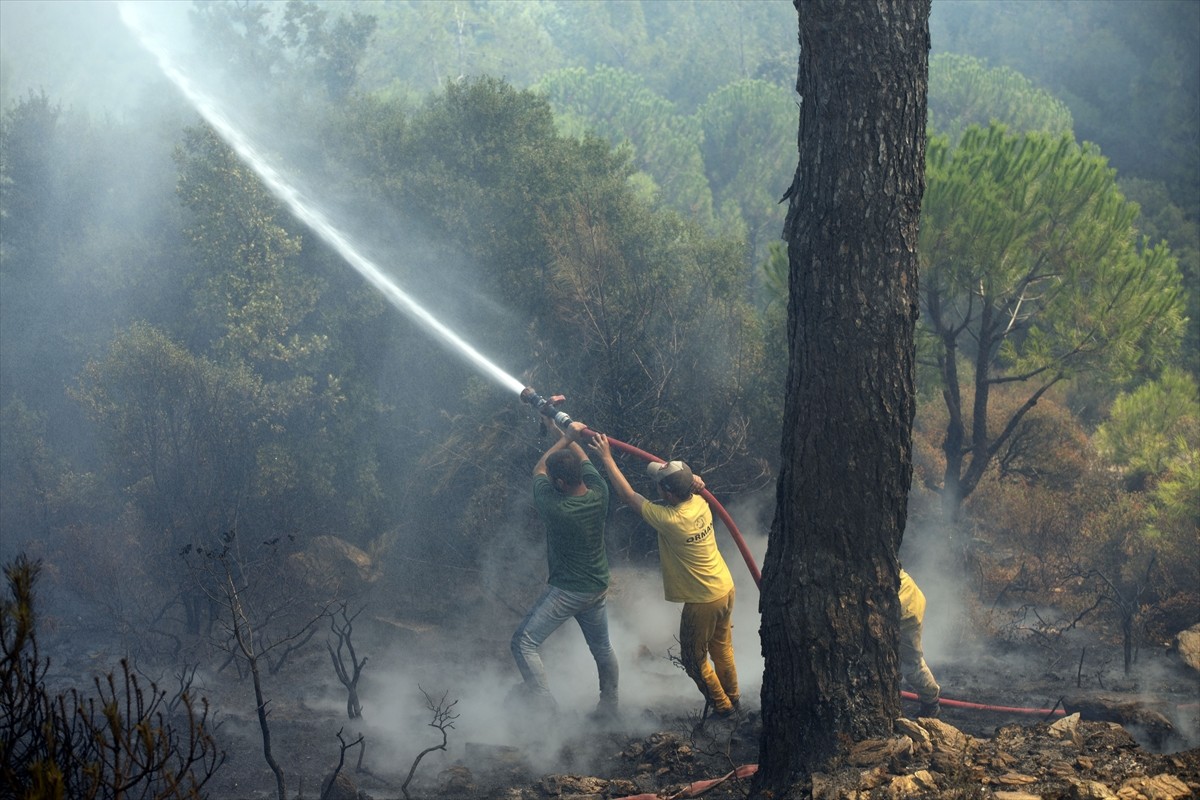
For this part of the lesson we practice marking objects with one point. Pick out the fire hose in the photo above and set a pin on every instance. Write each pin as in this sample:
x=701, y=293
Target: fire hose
x=547, y=406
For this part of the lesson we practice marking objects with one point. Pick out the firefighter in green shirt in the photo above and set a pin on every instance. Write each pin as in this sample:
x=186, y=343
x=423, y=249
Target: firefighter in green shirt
x=693, y=571
x=572, y=499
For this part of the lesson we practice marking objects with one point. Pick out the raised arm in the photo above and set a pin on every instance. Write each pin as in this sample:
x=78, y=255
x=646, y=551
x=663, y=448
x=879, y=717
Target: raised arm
x=620, y=485
x=566, y=439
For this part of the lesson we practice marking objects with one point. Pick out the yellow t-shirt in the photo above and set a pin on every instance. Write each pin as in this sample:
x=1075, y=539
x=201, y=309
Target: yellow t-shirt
x=912, y=599
x=693, y=570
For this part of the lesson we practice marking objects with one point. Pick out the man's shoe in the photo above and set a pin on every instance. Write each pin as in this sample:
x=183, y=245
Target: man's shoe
x=930, y=709
x=734, y=710
x=604, y=716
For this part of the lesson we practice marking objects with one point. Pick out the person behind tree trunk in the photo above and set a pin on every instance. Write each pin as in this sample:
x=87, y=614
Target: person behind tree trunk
x=693, y=573
x=572, y=499
x=912, y=658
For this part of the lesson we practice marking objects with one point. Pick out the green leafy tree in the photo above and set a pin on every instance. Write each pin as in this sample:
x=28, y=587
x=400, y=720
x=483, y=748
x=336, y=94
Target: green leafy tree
x=28, y=133
x=1162, y=220
x=85, y=210
x=251, y=299
x=1152, y=427
x=331, y=48
x=31, y=472
x=1129, y=72
x=182, y=435
x=1031, y=276
x=263, y=300
x=747, y=152
x=685, y=50
x=619, y=106
x=964, y=91
x=611, y=289
x=1173, y=532
x=422, y=47
x=658, y=311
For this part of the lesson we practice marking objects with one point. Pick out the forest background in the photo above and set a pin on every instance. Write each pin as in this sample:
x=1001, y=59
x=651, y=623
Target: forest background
x=590, y=193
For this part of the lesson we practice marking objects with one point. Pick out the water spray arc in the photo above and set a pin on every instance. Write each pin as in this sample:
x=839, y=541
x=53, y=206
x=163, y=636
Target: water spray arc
x=308, y=213
x=303, y=209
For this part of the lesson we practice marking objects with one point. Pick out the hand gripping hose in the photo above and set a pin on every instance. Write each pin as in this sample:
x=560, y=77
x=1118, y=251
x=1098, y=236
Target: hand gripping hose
x=546, y=407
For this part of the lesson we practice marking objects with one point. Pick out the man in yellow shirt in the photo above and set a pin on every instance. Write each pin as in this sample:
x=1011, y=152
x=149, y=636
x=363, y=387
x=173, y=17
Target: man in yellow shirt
x=693, y=573
x=912, y=657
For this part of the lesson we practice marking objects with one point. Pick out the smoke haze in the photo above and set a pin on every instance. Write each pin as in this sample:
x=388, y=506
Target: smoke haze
x=82, y=56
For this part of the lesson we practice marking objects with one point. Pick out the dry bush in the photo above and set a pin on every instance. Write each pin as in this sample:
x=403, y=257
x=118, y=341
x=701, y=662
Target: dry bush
x=124, y=741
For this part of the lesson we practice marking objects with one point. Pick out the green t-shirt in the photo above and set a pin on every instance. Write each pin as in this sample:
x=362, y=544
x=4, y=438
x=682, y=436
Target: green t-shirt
x=693, y=570
x=575, y=532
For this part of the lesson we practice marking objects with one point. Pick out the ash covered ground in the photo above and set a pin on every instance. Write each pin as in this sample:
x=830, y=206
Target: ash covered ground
x=462, y=664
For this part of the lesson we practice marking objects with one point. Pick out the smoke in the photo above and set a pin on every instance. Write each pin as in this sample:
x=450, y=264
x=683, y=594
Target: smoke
x=468, y=661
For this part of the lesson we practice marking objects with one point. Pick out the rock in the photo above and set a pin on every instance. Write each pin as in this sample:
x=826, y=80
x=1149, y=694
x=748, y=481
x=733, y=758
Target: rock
x=621, y=787
x=849, y=784
x=1090, y=790
x=821, y=786
x=1067, y=728
x=330, y=563
x=1159, y=787
x=573, y=786
x=947, y=738
x=1124, y=712
x=512, y=793
x=894, y=751
x=1010, y=795
x=1187, y=643
x=919, y=736
x=456, y=780
x=1016, y=779
x=873, y=778
x=485, y=756
x=920, y=784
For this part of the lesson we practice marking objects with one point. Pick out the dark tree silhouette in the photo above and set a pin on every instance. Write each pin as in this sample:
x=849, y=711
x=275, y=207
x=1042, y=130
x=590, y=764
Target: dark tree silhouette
x=830, y=579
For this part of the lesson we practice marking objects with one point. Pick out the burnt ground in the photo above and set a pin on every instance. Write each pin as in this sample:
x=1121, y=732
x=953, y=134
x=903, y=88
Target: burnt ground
x=495, y=750
x=662, y=751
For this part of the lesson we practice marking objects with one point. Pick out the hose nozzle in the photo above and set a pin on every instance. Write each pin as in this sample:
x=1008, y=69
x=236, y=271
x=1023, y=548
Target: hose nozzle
x=546, y=406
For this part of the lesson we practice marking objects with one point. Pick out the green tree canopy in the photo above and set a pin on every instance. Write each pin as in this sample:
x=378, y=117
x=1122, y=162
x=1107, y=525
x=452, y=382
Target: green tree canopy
x=252, y=300
x=1031, y=274
x=618, y=106
x=748, y=152
x=180, y=431
x=964, y=91
x=1152, y=427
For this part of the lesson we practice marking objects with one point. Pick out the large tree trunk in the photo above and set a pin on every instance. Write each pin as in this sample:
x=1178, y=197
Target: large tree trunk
x=829, y=593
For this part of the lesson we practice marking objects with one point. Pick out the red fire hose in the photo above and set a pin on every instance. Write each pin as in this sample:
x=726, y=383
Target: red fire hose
x=717, y=508
x=1044, y=712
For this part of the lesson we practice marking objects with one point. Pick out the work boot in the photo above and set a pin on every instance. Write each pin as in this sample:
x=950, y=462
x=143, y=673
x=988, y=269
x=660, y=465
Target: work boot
x=930, y=709
x=522, y=701
x=734, y=710
x=605, y=716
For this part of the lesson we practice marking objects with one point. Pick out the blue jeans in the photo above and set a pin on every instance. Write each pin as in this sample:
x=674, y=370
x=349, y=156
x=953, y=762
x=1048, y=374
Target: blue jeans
x=551, y=610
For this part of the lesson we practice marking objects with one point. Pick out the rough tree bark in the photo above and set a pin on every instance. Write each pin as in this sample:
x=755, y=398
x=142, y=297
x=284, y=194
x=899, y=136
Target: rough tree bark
x=829, y=592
